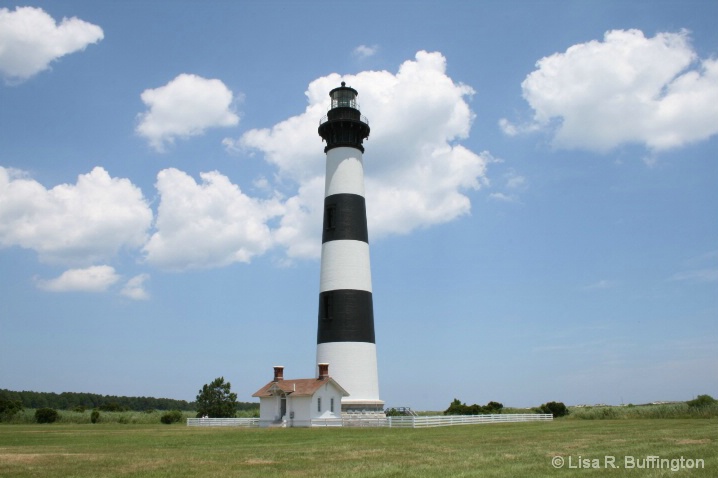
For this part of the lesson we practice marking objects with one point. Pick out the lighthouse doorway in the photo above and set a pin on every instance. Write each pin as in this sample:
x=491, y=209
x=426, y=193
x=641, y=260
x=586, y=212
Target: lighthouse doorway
x=283, y=407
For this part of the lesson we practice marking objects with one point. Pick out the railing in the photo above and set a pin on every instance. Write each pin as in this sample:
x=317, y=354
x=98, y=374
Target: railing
x=358, y=420
x=450, y=420
x=344, y=115
x=327, y=422
x=405, y=411
x=223, y=422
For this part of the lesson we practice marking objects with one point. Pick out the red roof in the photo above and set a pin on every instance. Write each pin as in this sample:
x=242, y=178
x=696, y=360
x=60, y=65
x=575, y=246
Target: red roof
x=302, y=387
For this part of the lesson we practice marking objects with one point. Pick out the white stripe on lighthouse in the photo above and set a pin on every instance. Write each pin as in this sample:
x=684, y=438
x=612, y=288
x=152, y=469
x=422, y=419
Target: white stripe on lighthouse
x=345, y=172
x=354, y=367
x=345, y=265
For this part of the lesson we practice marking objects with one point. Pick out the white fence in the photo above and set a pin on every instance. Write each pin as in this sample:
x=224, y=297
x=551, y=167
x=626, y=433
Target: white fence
x=450, y=420
x=392, y=422
x=223, y=422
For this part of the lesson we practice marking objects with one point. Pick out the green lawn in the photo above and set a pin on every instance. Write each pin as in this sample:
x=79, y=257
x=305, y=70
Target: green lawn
x=501, y=450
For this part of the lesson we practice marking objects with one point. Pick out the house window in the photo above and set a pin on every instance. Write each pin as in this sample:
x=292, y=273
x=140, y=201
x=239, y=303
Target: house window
x=319, y=404
x=331, y=404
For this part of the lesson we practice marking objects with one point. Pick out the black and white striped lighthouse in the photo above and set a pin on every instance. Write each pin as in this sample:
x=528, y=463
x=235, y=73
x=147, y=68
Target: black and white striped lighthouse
x=345, y=335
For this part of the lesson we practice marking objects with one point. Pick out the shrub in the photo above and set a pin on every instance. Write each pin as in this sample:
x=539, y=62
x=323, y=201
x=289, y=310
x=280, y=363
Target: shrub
x=8, y=408
x=702, y=401
x=458, y=408
x=493, y=407
x=95, y=416
x=46, y=415
x=171, y=417
x=557, y=409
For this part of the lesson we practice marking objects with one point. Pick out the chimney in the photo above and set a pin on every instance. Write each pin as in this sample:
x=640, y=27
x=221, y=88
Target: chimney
x=278, y=373
x=323, y=371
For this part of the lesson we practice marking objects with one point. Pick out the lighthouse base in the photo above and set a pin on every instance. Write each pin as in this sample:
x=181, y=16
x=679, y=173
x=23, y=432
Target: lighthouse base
x=353, y=365
x=362, y=406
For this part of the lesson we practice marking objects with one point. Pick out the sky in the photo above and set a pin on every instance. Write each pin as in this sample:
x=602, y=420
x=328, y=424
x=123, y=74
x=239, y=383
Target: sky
x=541, y=186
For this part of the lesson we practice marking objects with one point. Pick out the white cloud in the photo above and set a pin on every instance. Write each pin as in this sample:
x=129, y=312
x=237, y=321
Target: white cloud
x=30, y=40
x=415, y=172
x=210, y=224
x=625, y=89
x=363, y=51
x=417, y=175
x=515, y=181
x=186, y=106
x=75, y=224
x=503, y=197
x=135, y=288
x=508, y=128
x=91, y=279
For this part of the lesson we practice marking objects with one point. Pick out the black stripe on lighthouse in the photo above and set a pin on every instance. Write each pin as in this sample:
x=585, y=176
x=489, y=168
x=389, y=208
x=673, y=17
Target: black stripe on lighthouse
x=346, y=315
x=345, y=218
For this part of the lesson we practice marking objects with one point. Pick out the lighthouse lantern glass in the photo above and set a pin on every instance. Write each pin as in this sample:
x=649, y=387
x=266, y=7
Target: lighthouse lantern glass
x=344, y=98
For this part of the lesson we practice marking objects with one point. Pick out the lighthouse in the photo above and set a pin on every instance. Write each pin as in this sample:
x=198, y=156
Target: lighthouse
x=345, y=332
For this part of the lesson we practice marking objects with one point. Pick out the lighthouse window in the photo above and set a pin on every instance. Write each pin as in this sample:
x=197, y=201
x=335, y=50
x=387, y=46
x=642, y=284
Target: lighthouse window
x=343, y=98
x=330, y=215
x=326, y=305
x=319, y=404
x=331, y=404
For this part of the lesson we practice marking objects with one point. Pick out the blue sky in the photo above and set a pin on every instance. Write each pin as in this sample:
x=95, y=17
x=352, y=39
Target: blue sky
x=541, y=192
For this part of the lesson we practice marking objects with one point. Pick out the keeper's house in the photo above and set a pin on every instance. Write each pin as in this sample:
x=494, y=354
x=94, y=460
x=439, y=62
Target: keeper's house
x=302, y=402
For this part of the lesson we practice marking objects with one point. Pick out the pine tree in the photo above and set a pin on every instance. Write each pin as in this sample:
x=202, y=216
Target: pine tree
x=216, y=400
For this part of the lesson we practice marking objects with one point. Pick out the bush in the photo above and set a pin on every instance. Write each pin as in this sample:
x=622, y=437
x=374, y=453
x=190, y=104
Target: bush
x=458, y=408
x=493, y=407
x=171, y=417
x=702, y=401
x=557, y=409
x=95, y=416
x=46, y=415
x=8, y=408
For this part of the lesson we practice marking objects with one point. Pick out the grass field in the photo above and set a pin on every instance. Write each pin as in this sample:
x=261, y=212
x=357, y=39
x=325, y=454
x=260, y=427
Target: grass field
x=495, y=450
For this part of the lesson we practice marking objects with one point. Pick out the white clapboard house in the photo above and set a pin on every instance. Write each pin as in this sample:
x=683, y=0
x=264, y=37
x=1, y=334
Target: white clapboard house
x=301, y=402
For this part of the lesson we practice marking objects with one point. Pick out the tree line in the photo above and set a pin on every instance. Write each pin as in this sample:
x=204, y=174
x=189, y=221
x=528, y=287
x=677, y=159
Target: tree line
x=557, y=409
x=85, y=401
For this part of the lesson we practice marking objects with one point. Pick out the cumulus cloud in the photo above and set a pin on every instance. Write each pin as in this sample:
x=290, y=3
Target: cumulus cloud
x=186, y=106
x=30, y=40
x=135, y=288
x=416, y=173
x=210, y=224
x=91, y=279
x=625, y=89
x=80, y=223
